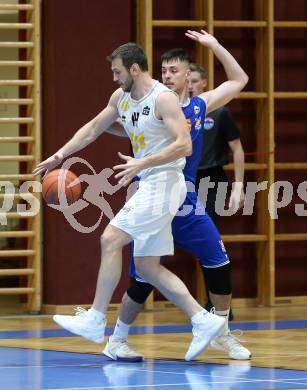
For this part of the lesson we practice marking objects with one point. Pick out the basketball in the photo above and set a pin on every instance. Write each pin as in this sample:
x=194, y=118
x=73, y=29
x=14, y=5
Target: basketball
x=56, y=185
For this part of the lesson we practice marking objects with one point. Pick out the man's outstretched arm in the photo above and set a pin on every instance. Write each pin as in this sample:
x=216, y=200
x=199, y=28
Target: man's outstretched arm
x=237, y=78
x=84, y=136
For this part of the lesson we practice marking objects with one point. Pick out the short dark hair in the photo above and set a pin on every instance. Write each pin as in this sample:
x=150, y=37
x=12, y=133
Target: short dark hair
x=198, y=68
x=130, y=53
x=176, y=54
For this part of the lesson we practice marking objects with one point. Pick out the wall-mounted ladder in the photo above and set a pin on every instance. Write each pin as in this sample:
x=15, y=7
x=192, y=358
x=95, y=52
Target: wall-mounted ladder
x=20, y=235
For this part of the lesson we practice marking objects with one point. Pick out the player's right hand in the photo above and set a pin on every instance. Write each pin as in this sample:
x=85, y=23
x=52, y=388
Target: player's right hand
x=47, y=165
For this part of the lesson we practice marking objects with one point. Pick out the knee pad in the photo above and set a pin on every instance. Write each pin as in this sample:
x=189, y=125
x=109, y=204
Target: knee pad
x=218, y=279
x=139, y=291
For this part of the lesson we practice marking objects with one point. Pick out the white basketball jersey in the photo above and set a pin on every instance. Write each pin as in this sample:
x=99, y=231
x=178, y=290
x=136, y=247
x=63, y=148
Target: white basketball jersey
x=148, y=134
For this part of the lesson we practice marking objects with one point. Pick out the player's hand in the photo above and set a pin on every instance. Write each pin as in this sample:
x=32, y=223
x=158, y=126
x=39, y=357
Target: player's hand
x=202, y=37
x=49, y=164
x=237, y=197
x=129, y=170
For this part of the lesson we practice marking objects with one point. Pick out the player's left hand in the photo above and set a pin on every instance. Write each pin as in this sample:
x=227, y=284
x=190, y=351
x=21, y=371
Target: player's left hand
x=202, y=37
x=237, y=197
x=129, y=170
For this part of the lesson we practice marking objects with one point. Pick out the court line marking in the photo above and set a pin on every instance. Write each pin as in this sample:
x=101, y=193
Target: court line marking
x=136, y=386
x=235, y=378
x=172, y=384
x=52, y=366
x=290, y=380
x=277, y=355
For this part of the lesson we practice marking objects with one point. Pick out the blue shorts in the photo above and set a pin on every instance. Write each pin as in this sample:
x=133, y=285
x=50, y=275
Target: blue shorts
x=194, y=232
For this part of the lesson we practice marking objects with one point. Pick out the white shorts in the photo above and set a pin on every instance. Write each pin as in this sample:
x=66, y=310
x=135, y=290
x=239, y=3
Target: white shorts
x=148, y=214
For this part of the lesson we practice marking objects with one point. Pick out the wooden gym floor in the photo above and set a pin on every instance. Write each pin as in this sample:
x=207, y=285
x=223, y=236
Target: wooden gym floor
x=277, y=338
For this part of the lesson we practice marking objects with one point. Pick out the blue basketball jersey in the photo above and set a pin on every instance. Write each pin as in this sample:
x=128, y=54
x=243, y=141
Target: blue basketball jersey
x=195, y=113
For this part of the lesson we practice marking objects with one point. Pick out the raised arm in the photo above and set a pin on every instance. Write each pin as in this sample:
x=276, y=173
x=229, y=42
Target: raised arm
x=237, y=78
x=84, y=136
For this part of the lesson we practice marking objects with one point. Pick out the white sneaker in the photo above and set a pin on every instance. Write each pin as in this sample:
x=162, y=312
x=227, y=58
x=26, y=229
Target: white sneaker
x=203, y=333
x=229, y=343
x=120, y=350
x=83, y=325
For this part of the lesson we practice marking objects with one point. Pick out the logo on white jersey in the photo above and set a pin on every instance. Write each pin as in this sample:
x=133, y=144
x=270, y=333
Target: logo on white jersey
x=124, y=105
x=146, y=110
x=135, y=118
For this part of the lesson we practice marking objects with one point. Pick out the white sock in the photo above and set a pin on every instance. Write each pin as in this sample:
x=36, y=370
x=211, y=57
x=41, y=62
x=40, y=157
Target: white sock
x=121, y=330
x=224, y=314
x=198, y=317
x=97, y=315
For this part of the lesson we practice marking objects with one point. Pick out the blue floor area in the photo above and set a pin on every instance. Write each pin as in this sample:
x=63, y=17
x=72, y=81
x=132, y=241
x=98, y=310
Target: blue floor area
x=157, y=329
x=26, y=369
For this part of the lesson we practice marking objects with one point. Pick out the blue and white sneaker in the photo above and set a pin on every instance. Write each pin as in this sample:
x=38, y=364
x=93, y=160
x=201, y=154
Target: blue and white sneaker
x=120, y=350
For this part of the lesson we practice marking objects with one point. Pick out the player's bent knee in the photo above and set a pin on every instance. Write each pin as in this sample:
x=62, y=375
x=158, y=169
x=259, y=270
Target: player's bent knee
x=108, y=240
x=112, y=239
x=139, y=291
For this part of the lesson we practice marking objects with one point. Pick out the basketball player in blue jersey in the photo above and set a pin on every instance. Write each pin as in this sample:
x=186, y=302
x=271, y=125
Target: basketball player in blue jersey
x=156, y=126
x=193, y=230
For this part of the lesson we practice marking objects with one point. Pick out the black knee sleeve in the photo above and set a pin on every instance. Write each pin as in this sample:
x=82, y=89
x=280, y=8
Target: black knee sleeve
x=139, y=291
x=218, y=279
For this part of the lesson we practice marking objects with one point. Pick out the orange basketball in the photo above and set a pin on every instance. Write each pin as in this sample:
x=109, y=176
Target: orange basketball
x=56, y=185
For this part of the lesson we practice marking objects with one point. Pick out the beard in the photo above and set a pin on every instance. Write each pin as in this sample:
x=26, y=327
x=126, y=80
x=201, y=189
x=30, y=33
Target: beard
x=127, y=86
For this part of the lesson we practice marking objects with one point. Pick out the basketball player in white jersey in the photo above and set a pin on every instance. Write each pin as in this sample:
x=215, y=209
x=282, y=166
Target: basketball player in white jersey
x=154, y=121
